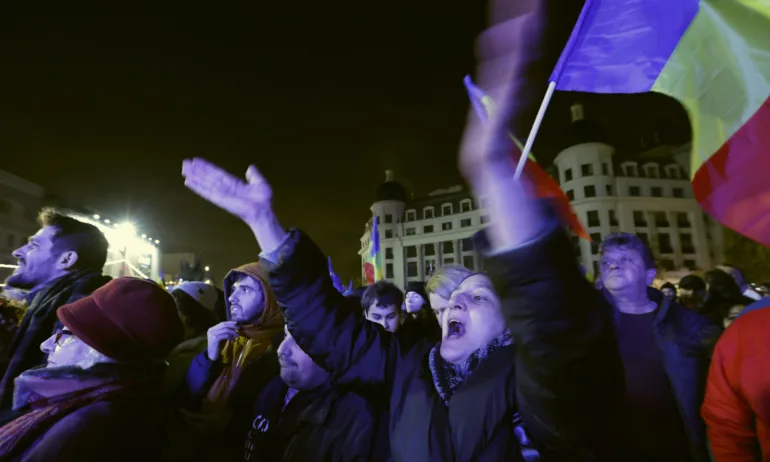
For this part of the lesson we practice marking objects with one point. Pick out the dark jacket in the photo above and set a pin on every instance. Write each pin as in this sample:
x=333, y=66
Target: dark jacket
x=40, y=322
x=561, y=376
x=322, y=425
x=687, y=340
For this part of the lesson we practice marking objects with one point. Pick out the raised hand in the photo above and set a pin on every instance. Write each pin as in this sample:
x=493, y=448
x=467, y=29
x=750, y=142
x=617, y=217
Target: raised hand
x=335, y=279
x=248, y=200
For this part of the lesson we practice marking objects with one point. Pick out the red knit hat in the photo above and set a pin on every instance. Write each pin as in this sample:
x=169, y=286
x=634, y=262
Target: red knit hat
x=127, y=319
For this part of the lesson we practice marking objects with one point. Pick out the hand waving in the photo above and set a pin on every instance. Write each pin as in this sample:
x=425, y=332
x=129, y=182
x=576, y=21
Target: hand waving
x=247, y=200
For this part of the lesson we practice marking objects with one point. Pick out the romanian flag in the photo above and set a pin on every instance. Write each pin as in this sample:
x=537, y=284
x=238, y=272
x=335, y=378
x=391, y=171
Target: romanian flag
x=711, y=55
x=545, y=186
x=373, y=263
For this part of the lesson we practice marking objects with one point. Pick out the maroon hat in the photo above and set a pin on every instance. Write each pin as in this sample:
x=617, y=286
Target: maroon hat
x=127, y=319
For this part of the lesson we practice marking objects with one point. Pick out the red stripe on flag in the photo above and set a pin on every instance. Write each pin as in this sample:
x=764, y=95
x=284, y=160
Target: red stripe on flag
x=733, y=185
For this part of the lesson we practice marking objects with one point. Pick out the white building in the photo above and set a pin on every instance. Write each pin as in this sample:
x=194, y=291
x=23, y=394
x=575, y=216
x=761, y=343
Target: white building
x=648, y=194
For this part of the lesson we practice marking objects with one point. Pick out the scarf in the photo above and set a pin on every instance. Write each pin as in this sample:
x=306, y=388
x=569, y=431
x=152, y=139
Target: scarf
x=448, y=377
x=48, y=394
x=253, y=340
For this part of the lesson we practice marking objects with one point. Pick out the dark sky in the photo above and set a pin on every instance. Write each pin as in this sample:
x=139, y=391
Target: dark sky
x=101, y=109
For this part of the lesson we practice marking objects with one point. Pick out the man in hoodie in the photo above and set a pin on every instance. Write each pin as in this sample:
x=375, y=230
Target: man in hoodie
x=239, y=358
x=60, y=264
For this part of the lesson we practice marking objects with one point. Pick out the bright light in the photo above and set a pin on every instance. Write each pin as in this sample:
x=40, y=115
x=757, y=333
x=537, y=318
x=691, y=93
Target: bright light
x=208, y=281
x=127, y=228
x=157, y=241
x=144, y=236
x=207, y=268
x=107, y=220
x=96, y=217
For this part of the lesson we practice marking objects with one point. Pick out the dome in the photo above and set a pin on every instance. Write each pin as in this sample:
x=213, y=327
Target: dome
x=391, y=190
x=583, y=130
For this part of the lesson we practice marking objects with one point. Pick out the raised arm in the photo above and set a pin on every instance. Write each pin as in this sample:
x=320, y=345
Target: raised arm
x=319, y=318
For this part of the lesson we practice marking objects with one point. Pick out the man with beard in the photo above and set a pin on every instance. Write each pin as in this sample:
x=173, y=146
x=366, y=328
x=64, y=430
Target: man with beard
x=224, y=380
x=60, y=264
x=302, y=415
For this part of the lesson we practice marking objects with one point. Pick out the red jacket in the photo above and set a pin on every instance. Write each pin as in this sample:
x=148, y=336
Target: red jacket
x=737, y=403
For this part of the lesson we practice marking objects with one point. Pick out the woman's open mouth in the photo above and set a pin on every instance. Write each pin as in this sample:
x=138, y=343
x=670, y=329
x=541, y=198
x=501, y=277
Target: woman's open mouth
x=455, y=330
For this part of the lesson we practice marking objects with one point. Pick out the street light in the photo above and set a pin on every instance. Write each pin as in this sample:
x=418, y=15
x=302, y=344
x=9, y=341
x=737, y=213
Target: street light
x=96, y=217
x=157, y=241
x=207, y=269
x=107, y=220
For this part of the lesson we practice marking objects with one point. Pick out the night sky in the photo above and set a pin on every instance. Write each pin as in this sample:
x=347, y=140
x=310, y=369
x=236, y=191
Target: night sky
x=101, y=110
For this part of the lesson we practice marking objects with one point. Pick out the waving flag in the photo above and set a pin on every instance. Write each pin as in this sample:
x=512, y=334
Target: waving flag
x=711, y=55
x=373, y=264
x=545, y=186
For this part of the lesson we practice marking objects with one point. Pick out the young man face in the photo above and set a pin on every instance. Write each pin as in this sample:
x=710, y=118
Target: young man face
x=39, y=261
x=388, y=316
x=623, y=270
x=247, y=300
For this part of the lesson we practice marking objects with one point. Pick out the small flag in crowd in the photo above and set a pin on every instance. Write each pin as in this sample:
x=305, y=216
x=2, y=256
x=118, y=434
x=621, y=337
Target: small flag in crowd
x=373, y=264
x=711, y=55
x=545, y=186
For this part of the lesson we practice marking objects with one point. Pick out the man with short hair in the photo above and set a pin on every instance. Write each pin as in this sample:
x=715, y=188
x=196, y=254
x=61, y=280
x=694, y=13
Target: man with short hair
x=665, y=352
x=302, y=416
x=382, y=305
x=60, y=264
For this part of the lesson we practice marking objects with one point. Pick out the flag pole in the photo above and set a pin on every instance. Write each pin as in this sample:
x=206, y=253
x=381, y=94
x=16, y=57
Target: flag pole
x=533, y=132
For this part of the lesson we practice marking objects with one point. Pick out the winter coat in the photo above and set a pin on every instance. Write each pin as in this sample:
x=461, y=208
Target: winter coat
x=327, y=424
x=735, y=407
x=40, y=322
x=560, y=377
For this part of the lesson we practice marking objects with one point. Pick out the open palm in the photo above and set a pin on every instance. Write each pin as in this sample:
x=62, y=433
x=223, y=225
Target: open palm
x=244, y=199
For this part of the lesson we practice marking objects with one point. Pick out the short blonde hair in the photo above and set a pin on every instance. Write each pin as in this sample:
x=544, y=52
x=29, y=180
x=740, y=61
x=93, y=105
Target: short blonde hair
x=446, y=280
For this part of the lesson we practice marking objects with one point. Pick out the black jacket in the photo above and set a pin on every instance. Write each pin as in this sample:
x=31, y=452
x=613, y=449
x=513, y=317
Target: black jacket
x=326, y=425
x=562, y=376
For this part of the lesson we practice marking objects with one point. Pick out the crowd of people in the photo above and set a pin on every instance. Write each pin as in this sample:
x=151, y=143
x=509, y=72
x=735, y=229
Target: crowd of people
x=527, y=361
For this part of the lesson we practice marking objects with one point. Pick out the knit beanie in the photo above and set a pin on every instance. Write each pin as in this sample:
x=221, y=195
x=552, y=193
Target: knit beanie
x=127, y=319
x=203, y=293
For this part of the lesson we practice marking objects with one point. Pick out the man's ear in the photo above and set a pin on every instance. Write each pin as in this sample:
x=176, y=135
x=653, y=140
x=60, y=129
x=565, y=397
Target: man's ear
x=67, y=260
x=651, y=273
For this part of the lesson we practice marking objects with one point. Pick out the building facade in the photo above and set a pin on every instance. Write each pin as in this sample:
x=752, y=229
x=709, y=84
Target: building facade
x=647, y=194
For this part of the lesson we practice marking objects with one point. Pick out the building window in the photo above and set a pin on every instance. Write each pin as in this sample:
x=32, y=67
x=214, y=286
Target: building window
x=410, y=231
x=630, y=170
x=447, y=247
x=609, y=190
x=634, y=191
x=644, y=238
x=672, y=171
x=656, y=191
x=447, y=226
x=651, y=171
x=678, y=193
x=411, y=215
x=465, y=223
x=388, y=234
x=446, y=210
x=639, y=220
x=465, y=206
x=388, y=218
x=430, y=267
x=586, y=170
x=589, y=191
x=568, y=174
x=469, y=262
x=570, y=194
x=664, y=243
x=411, y=269
x=686, y=240
x=484, y=219
x=596, y=238
x=427, y=229
x=661, y=220
x=429, y=250
x=389, y=270
x=605, y=168
x=449, y=261
x=682, y=220
x=593, y=219
x=388, y=253
x=690, y=265
x=467, y=244
x=613, y=218
x=411, y=251
x=666, y=264
x=428, y=212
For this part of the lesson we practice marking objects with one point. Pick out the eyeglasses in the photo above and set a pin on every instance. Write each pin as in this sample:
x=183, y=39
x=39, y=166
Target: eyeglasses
x=62, y=336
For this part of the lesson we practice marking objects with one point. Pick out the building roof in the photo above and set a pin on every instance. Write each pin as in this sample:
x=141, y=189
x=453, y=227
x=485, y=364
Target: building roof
x=391, y=190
